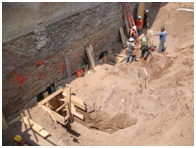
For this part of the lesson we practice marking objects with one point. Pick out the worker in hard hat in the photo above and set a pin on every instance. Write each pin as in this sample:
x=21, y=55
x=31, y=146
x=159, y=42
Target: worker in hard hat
x=138, y=23
x=130, y=47
x=145, y=25
x=19, y=141
x=162, y=35
x=145, y=44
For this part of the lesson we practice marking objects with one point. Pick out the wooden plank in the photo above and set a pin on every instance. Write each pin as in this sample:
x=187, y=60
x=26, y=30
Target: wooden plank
x=76, y=101
x=58, y=109
x=43, y=133
x=75, y=113
x=118, y=63
x=122, y=35
x=57, y=117
x=90, y=56
x=4, y=122
x=68, y=66
x=140, y=11
x=30, y=123
x=50, y=96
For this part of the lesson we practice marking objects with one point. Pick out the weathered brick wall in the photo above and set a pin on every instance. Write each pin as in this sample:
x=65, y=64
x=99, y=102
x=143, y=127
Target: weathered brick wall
x=32, y=62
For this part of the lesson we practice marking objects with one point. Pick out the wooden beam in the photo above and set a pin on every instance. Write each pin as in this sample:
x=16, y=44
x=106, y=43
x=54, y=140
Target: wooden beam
x=31, y=124
x=54, y=94
x=75, y=113
x=59, y=118
x=140, y=12
x=122, y=35
x=76, y=101
x=4, y=122
x=126, y=20
x=90, y=56
x=58, y=109
x=36, y=127
x=68, y=96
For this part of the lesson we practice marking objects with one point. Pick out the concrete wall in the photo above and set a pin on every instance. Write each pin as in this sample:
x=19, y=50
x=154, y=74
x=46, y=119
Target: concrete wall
x=31, y=62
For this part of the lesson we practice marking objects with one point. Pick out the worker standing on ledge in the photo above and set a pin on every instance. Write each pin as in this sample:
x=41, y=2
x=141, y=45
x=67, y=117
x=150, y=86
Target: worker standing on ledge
x=138, y=23
x=162, y=35
x=130, y=45
x=145, y=25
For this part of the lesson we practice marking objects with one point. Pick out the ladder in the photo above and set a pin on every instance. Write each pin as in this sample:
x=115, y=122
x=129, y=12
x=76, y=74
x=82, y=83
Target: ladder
x=131, y=21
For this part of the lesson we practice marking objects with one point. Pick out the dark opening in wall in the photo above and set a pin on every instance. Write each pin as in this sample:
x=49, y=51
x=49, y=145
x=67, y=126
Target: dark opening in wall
x=103, y=54
x=50, y=90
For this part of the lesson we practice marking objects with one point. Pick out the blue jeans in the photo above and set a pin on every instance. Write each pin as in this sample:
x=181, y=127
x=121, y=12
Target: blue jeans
x=131, y=56
x=161, y=46
x=138, y=31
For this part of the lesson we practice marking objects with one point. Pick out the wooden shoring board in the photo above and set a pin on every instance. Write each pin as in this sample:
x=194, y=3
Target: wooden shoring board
x=140, y=11
x=54, y=94
x=56, y=117
x=68, y=97
x=36, y=127
x=122, y=35
x=58, y=109
x=75, y=113
x=76, y=101
x=90, y=56
x=4, y=122
x=68, y=67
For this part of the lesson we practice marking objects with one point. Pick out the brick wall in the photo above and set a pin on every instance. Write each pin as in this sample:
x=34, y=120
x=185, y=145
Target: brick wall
x=30, y=63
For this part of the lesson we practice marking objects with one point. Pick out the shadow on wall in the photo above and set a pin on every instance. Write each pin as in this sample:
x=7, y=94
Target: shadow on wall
x=153, y=11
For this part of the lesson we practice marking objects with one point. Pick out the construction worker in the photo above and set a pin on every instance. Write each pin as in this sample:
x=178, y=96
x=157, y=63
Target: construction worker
x=130, y=45
x=162, y=35
x=145, y=44
x=145, y=25
x=19, y=141
x=138, y=23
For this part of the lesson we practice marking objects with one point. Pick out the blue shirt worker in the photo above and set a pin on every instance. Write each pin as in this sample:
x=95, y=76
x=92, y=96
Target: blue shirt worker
x=162, y=35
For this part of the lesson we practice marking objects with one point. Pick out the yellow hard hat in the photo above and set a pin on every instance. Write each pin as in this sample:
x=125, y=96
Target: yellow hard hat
x=18, y=138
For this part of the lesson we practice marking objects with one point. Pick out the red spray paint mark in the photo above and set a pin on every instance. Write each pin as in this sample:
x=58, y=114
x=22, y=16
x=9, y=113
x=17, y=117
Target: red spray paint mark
x=76, y=57
x=102, y=39
x=41, y=75
x=58, y=56
x=28, y=71
x=51, y=70
x=41, y=62
x=74, y=45
x=7, y=100
x=60, y=66
x=20, y=78
x=48, y=57
x=111, y=35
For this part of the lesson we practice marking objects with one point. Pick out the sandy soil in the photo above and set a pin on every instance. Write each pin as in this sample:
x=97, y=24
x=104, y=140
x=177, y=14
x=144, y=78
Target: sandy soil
x=119, y=112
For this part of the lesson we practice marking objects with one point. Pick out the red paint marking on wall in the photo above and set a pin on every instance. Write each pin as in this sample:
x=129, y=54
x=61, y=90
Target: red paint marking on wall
x=20, y=78
x=48, y=57
x=60, y=66
x=74, y=45
x=111, y=35
x=102, y=39
x=58, y=56
x=28, y=71
x=75, y=57
x=7, y=100
x=4, y=93
x=41, y=62
x=41, y=75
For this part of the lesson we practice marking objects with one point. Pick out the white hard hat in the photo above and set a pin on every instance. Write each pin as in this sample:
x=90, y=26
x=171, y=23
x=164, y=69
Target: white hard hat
x=139, y=17
x=134, y=27
x=131, y=40
x=146, y=10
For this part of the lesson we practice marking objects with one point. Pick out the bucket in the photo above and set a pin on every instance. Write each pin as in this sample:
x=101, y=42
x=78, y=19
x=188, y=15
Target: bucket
x=79, y=72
